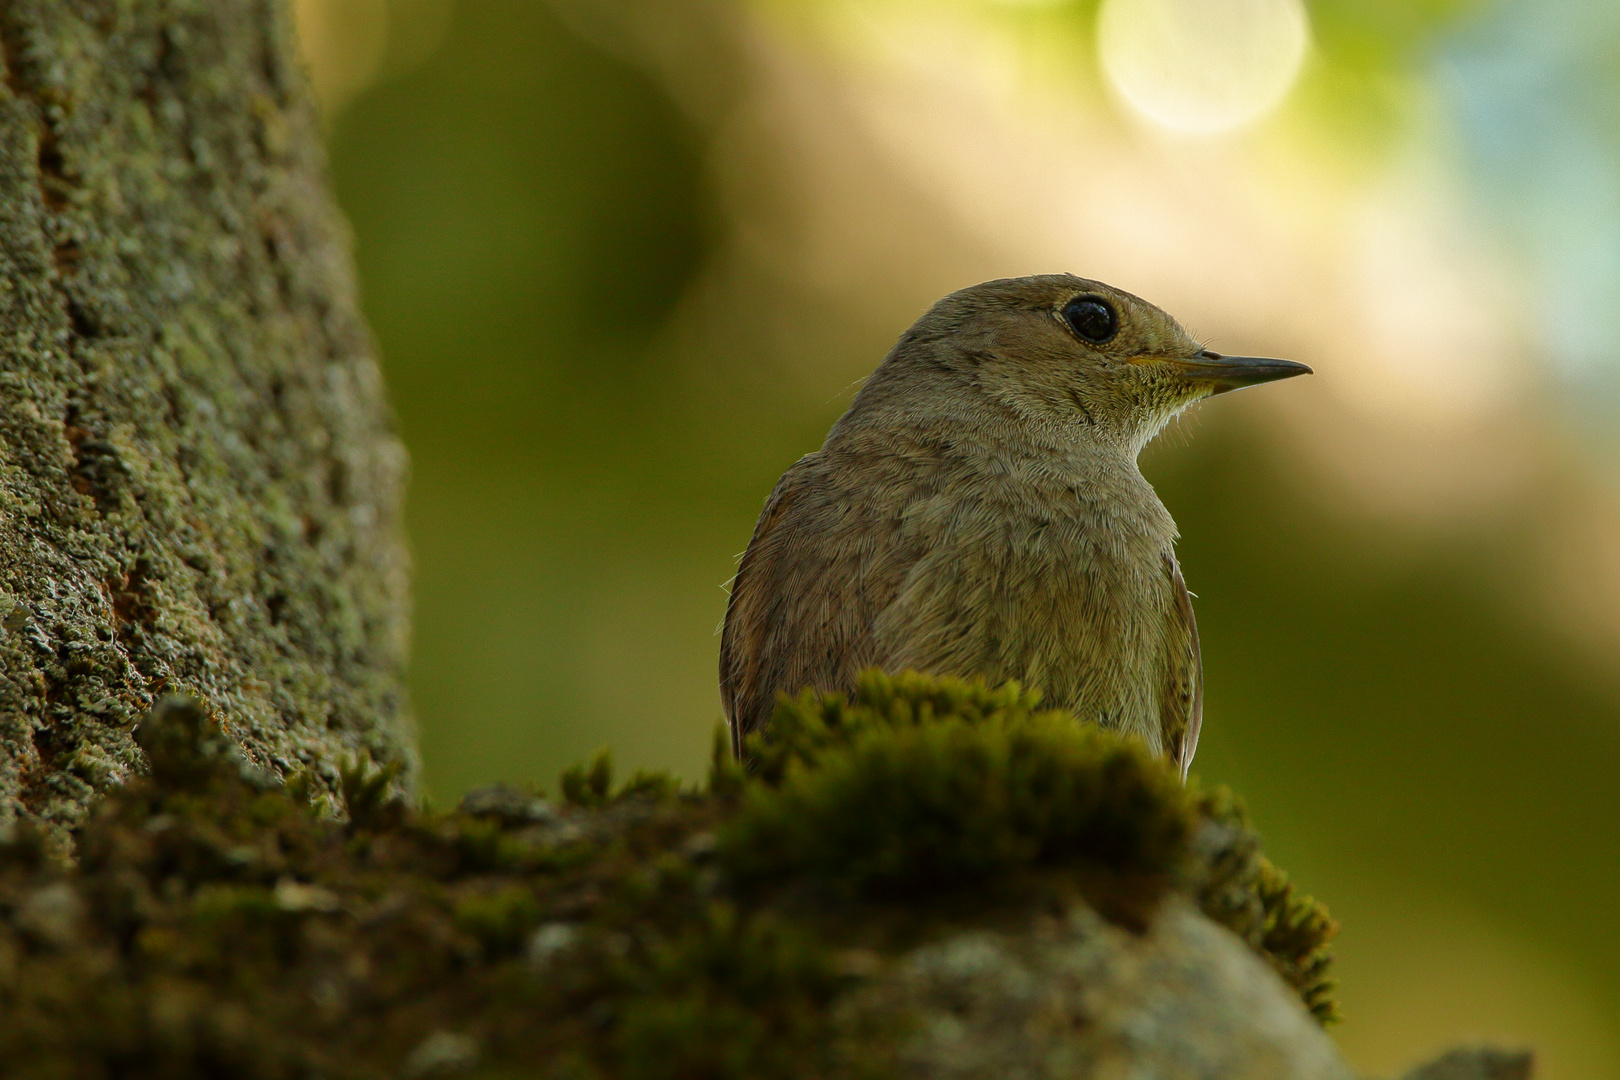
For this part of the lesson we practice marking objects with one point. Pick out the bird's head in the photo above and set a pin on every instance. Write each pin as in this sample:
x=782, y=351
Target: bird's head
x=1065, y=353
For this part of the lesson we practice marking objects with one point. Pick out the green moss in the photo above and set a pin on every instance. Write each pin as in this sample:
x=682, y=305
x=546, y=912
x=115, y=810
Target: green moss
x=220, y=924
x=1297, y=933
x=729, y=995
x=920, y=787
x=591, y=786
x=1242, y=890
x=802, y=730
x=370, y=793
x=499, y=919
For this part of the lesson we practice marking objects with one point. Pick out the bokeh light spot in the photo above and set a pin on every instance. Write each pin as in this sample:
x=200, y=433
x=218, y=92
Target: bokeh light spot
x=1202, y=66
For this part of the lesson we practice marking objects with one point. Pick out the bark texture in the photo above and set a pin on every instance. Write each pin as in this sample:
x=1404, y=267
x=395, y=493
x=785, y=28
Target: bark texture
x=199, y=484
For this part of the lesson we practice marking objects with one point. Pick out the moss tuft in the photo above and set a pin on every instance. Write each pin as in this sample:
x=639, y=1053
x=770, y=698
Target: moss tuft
x=589, y=786
x=1296, y=939
x=370, y=793
x=1242, y=890
x=727, y=777
x=921, y=786
x=803, y=729
x=220, y=924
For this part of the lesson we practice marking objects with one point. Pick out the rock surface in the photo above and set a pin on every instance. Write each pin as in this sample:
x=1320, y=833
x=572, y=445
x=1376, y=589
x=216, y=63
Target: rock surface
x=1477, y=1063
x=1078, y=996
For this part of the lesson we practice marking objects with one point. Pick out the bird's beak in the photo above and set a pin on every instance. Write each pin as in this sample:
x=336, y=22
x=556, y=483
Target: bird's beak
x=1235, y=372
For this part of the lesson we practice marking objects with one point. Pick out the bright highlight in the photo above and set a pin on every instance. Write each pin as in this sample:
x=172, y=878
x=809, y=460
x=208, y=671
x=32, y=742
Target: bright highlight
x=1202, y=66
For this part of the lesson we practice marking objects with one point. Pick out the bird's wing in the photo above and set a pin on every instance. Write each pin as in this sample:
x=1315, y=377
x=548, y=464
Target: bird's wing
x=749, y=612
x=1182, y=709
x=824, y=561
x=786, y=624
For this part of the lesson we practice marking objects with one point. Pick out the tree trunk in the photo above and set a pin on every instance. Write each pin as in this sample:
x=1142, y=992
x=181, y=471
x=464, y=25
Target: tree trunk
x=199, y=482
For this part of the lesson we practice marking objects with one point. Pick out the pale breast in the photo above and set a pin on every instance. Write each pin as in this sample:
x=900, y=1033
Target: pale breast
x=1046, y=578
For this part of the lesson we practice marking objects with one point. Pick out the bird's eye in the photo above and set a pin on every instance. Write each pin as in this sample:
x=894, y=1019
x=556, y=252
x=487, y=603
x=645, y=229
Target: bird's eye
x=1092, y=317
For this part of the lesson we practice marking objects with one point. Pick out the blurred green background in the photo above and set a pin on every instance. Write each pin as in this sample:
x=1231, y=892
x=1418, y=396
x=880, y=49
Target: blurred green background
x=625, y=260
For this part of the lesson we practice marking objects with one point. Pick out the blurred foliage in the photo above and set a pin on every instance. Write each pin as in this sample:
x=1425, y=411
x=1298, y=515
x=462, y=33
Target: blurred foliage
x=1367, y=79
x=528, y=212
x=1384, y=37
x=1536, y=96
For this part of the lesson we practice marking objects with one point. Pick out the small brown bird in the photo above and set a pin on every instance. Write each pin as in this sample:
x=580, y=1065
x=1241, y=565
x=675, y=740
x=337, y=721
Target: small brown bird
x=979, y=512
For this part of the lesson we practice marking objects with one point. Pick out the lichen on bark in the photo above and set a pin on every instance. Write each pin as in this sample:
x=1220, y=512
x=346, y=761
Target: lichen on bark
x=199, y=483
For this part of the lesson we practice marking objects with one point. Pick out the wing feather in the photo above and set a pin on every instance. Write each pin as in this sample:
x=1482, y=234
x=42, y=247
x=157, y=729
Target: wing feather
x=1182, y=709
x=749, y=614
x=824, y=561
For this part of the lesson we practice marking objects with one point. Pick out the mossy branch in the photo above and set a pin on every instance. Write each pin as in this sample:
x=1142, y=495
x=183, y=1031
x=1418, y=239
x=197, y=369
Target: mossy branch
x=219, y=924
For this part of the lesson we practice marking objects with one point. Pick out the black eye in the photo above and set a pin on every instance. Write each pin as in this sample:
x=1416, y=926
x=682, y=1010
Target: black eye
x=1093, y=318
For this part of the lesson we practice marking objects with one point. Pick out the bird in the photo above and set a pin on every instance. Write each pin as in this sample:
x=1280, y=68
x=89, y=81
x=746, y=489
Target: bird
x=979, y=512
